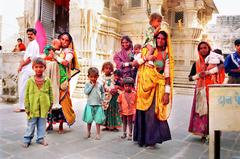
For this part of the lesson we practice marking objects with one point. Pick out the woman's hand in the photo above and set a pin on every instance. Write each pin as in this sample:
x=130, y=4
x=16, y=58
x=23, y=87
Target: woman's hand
x=113, y=92
x=202, y=74
x=165, y=99
x=134, y=63
x=150, y=57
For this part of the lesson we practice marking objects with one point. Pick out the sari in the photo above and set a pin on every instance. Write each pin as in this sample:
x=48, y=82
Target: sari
x=122, y=57
x=65, y=113
x=151, y=124
x=199, y=115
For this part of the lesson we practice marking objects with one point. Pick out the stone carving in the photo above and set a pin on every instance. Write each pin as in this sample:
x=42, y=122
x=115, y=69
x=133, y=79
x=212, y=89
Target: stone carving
x=10, y=63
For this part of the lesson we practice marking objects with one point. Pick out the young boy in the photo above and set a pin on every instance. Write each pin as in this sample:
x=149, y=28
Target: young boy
x=38, y=101
x=127, y=106
x=93, y=110
x=151, y=33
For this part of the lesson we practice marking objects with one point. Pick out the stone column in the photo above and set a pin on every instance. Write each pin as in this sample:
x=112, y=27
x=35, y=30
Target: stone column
x=156, y=6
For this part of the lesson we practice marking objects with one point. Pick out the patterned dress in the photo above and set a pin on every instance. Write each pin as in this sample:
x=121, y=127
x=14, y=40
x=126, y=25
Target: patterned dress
x=113, y=119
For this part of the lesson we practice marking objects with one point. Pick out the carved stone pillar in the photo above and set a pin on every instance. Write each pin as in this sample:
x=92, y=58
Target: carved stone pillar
x=156, y=6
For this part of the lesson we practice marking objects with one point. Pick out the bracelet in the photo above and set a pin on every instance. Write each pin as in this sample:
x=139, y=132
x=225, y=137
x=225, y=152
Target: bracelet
x=167, y=88
x=59, y=59
x=140, y=61
x=126, y=64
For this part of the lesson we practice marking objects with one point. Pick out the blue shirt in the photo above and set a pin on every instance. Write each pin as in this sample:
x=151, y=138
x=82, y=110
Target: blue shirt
x=232, y=64
x=95, y=93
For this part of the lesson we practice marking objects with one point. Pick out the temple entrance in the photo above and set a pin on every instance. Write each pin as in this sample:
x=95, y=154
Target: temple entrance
x=54, y=16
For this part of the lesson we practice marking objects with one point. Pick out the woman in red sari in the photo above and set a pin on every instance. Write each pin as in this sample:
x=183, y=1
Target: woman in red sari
x=199, y=115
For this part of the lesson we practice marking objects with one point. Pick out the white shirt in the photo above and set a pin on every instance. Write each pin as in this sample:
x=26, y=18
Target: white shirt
x=214, y=58
x=32, y=51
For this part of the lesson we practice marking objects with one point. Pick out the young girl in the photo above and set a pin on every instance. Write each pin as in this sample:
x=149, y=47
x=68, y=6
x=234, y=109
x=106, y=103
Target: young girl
x=93, y=110
x=113, y=120
x=127, y=106
x=38, y=101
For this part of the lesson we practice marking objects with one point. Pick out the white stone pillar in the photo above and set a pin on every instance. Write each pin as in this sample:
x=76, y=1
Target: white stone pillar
x=156, y=6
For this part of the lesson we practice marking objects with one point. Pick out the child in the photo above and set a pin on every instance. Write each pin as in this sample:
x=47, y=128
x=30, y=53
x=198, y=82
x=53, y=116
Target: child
x=137, y=51
x=213, y=60
x=49, y=50
x=113, y=120
x=118, y=79
x=127, y=106
x=137, y=56
x=38, y=101
x=151, y=33
x=108, y=83
x=93, y=110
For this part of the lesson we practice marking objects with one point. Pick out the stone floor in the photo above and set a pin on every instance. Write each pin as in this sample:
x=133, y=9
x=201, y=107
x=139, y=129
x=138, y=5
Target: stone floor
x=72, y=144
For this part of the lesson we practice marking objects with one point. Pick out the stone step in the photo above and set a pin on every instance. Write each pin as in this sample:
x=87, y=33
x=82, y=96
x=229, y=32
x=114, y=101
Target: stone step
x=184, y=91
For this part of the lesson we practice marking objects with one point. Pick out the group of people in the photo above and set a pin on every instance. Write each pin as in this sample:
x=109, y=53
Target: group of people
x=136, y=94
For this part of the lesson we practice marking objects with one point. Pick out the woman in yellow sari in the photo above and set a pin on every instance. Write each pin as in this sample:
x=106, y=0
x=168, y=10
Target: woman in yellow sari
x=67, y=62
x=154, y=94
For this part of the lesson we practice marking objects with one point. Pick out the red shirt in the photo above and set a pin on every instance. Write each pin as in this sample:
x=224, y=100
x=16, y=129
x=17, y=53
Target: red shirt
x=21, y=47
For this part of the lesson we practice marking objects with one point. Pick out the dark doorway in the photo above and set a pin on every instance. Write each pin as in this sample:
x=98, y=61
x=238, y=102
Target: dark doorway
x=61, y=20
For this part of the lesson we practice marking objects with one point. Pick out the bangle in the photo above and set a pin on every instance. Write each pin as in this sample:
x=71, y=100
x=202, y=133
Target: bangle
x=126, y=64
x=140, y=61
x=167, y=88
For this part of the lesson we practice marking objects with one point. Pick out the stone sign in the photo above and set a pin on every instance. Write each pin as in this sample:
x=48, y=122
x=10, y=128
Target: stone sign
x=224, y=110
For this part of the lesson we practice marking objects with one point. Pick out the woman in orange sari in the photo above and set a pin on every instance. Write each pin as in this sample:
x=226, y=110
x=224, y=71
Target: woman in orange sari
x=199, y=115
x=154, y=94
x=67, y=62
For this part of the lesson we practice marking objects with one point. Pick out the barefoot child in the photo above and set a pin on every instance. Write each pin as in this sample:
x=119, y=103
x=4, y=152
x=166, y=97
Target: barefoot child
x=113, y=120
x=151, y=33
x=38, y=101
x=93, y=110
x=127, y=106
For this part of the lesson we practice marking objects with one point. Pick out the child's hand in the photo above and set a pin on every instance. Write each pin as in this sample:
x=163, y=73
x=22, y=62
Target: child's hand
x=158, y=28
x=28, y=113
x=51, y=54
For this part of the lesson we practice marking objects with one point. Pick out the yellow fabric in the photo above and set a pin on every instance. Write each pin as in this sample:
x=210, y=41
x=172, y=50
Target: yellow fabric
x=151, y=84
x=67, y=109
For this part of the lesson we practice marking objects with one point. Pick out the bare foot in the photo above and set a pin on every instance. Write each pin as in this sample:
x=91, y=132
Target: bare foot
x=87, y=136
x=43, y=142
x=124, y=136
x=97, y=137
x=18, y=110
x=26, y=145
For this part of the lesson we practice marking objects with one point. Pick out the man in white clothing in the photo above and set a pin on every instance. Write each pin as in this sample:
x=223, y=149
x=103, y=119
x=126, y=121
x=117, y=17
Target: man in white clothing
x=25, y=68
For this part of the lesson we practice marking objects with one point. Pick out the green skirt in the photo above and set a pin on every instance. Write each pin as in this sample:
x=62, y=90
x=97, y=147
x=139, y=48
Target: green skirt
x=113, y=119
x=93, y=113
